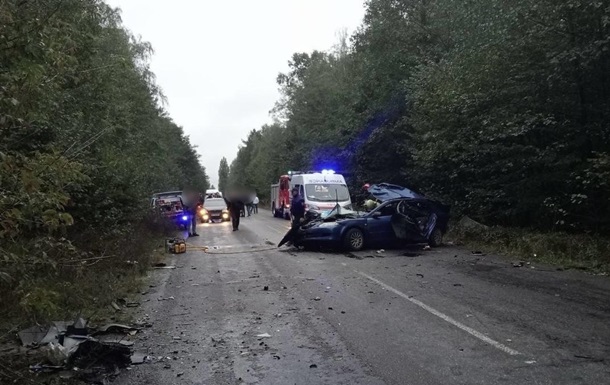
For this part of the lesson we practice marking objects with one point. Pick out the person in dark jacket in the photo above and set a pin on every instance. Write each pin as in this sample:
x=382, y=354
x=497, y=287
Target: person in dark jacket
x=235, y=205
x=190, y=201
x=297, y=208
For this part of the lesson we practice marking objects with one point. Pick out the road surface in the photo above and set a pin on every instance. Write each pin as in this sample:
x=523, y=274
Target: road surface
x=443, y=316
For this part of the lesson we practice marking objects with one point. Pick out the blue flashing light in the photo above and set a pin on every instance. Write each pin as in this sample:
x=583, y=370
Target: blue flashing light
x=328, y=172
x=185, y=218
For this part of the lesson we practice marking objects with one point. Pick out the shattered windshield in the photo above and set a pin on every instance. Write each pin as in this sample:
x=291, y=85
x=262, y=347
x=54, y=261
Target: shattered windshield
x=326, y=192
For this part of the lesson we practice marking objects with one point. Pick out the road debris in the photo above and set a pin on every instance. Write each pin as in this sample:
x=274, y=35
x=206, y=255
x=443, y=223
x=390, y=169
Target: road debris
x=266, y=288
x=317, y=299
x=115, y=328
x=38, y=335
x=138, y=358
x=313, y=366
x=76, y=350
x=518, y=263
x=477, y=253
x=380, y=251
x=352, y=255
x=583, y=357
x=264, y=335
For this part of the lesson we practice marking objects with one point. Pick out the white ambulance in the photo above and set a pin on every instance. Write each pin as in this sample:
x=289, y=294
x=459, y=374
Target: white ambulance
x=322, y=190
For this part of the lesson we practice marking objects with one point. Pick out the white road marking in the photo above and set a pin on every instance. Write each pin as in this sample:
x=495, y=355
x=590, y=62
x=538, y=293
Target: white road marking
x=445, y=317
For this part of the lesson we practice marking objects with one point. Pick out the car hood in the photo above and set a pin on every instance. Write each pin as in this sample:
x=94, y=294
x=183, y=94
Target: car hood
x=215, y=204
x=338, y=214
x=385, y=191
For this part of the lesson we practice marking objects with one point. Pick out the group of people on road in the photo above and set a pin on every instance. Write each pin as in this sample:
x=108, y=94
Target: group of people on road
x=238, y=203
x=241, y=204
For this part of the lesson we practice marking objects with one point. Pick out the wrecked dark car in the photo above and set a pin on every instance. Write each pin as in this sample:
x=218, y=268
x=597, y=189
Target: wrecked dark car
x=399, y=216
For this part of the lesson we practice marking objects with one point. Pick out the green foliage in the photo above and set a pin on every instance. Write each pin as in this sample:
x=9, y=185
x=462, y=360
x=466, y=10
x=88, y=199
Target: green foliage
x=223, y=174
x=85, y=142
x=498, y=108
x=571, y=251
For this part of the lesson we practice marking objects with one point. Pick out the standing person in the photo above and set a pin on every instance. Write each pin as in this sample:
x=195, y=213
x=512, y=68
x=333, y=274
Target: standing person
x=297, y=215
x=297, y=208
x=255, y=204
x=249, y=205
x=235, y=206
x=190, y=200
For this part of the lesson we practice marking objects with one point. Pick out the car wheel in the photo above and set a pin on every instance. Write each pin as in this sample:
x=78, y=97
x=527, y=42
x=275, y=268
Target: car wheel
x=353, y=239
x=436, y=238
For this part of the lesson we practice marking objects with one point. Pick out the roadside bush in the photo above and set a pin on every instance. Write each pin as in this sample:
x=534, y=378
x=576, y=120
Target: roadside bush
x=85, y=142
x=571, y=251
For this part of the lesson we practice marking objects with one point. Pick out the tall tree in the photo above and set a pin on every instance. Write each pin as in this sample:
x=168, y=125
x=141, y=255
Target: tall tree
x=499, y=108
x=84, y=141
x=223, y=174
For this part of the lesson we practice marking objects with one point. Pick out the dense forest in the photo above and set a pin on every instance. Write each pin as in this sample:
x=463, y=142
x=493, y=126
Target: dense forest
x=500, y=108
x=84, y=142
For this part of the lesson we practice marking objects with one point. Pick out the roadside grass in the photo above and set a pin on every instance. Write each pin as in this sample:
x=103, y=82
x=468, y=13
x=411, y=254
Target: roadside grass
x=568, y=251
x=68, y=289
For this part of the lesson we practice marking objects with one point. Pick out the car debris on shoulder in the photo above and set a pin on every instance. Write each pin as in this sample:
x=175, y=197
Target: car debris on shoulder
x=400, y=216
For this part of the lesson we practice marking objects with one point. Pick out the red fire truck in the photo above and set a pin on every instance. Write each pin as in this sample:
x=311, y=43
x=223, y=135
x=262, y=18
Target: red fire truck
x=280, y=198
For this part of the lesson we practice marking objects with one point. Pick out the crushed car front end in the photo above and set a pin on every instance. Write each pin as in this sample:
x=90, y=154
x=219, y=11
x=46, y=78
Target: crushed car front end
x=321, y=234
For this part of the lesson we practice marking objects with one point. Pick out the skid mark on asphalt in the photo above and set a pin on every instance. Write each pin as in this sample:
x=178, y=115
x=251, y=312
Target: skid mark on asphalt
x=444, y=317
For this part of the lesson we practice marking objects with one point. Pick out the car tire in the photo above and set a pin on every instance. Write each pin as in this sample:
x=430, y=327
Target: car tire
x=353, y=240
x=436, y=238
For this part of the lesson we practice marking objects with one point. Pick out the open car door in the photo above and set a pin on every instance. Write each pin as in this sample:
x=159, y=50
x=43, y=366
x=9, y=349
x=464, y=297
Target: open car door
x=413, y=221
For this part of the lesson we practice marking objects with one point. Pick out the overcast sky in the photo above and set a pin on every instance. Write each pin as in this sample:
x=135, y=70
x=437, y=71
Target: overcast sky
x=217, y=60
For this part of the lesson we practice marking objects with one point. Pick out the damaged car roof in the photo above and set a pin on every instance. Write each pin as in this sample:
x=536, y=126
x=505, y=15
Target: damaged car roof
x=386, y=191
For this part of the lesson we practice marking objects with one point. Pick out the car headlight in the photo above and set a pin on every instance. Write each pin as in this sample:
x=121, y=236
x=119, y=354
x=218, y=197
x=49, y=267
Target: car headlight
x=203, y=211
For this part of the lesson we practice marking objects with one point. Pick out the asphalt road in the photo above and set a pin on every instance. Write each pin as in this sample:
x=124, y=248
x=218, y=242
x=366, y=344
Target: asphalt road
x=443, y=316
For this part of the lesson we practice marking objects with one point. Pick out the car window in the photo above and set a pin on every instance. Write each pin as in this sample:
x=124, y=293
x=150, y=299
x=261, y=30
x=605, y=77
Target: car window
x=387, y=210
x=416, y=208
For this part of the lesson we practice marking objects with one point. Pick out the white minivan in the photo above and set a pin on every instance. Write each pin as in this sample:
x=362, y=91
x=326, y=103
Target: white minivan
x=322, y=191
